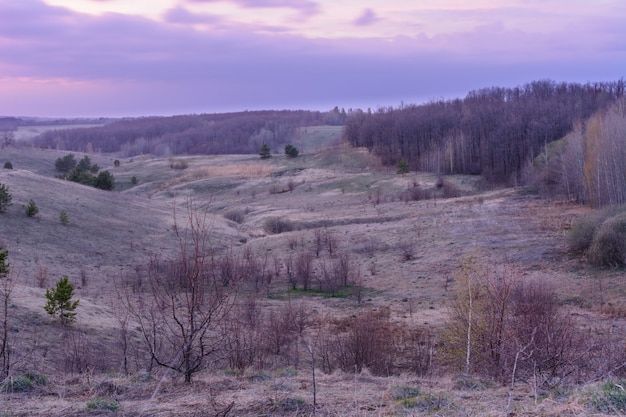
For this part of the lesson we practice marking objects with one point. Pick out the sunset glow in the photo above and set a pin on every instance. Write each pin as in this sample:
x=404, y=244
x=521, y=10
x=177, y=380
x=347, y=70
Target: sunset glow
x=217, y=55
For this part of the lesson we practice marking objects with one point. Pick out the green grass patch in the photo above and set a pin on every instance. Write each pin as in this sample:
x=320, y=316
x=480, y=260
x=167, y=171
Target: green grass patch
x=343, y=292
x=103, y=404
x=610, y=398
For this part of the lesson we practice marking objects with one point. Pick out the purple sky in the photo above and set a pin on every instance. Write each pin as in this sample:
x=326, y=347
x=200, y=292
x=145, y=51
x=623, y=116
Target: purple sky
x=89, y=58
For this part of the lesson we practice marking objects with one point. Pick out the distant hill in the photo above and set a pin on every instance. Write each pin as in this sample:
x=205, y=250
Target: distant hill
x=227, y=133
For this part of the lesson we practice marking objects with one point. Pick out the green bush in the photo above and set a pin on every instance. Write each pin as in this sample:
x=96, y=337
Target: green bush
x=105, y=404
x=8, y=165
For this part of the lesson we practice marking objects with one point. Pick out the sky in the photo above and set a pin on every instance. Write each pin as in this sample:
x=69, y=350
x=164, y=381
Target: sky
x=116, y=58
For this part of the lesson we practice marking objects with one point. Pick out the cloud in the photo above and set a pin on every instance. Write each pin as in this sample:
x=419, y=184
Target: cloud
x=55, y=60
x=183, y=16
x=367, y=17
x=306, y=8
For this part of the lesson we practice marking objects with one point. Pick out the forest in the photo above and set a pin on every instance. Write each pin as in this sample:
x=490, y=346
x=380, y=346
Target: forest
x=493, y=132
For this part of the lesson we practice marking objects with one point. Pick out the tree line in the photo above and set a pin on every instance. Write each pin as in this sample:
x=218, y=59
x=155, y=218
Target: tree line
x=587, y=165
x=492, y=131
x=242, y=132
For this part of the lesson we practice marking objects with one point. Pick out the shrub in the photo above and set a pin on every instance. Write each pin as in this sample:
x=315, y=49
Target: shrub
x=608, y=247
x=133, y=180
x=178, y=164
x=291, y=151
x=582, y=233
x=116, y=163
x=235, y=215
x=277, y=225
x=450, y=189
x=517, y=328
x=580, y=236
x=104, y=404
x=8, y=165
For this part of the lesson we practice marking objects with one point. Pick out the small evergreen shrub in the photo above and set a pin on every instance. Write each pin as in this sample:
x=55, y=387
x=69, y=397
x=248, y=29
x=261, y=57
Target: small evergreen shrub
x=8, y=165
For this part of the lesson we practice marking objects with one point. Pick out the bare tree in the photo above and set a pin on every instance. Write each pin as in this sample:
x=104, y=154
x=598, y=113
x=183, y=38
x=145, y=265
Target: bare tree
x=188, y=298
x=303, y=269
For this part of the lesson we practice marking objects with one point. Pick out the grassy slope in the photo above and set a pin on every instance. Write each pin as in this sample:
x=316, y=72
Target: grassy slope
x=111, y=233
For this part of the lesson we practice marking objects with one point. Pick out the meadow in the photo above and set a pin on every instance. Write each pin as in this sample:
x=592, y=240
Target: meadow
x=405, y=251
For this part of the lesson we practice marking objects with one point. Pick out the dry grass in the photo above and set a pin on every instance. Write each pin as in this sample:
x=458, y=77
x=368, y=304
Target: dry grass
x=109, y=235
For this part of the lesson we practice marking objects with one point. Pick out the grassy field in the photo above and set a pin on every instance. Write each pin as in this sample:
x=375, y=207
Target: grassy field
x=342, y=191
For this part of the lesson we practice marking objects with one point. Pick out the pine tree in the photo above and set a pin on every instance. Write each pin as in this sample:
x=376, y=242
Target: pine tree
x=5, y=198
x=265, y=151
x=402, y=167
x=60, y=301
x=63, y=217
x=291, y=151
x=4, y=266
x=31, y=209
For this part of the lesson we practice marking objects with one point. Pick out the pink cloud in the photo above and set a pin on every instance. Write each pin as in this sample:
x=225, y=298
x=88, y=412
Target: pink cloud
x=305, y=7
x=119, y=64
x=367, y=17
